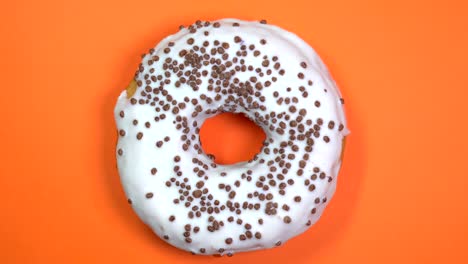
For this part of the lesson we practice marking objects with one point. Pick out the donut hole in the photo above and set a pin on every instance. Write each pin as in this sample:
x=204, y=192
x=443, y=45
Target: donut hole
x=231, y=138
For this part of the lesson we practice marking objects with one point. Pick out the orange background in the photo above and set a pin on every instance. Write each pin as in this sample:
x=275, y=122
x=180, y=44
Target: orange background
x=401, y=66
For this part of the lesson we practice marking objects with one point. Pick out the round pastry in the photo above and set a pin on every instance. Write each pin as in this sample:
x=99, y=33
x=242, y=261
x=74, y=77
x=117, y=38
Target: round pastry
x=275, y=79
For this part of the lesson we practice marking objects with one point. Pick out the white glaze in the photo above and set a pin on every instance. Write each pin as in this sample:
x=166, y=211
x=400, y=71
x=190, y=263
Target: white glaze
x=139, y=156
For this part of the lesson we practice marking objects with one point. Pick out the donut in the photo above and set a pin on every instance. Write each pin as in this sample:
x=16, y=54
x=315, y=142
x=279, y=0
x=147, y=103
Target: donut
x=250, y=67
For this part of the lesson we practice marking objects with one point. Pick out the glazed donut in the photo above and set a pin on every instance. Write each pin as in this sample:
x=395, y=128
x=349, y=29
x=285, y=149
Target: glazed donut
x=269, y=75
